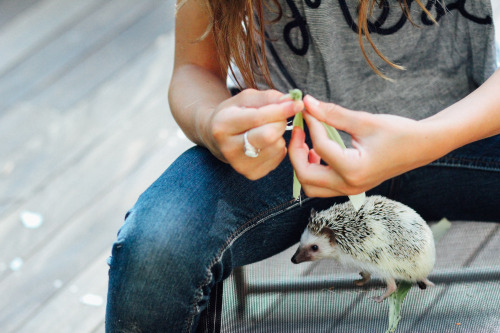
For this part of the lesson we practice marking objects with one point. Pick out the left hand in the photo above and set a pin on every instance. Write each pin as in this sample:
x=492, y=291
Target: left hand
x=384, y=146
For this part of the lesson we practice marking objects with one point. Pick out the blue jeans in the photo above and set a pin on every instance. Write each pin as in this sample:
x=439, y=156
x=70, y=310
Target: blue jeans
x=201, y=219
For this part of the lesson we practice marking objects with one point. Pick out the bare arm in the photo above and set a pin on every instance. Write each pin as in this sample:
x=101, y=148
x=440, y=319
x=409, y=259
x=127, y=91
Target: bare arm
x=385, y=146
x=475, y=117
x=198, y=84
x=209, y=116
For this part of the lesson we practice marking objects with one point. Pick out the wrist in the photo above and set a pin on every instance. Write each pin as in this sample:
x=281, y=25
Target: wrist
x=444, y=132
x=475, y=117
x=203, y=125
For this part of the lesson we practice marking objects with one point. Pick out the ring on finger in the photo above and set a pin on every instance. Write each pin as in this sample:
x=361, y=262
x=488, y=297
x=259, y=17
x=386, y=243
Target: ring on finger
x=249, y=149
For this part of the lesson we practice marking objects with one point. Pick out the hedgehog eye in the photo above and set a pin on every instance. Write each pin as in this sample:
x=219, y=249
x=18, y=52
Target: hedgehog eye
x=315, y=248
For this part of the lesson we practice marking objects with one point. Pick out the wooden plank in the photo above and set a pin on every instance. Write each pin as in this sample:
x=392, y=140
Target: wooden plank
x=74, y=36
x=109, y=60
x=37, y=142
x=40, y=23
x=70, y=248
x=116, y=154
x=94, y=279
x=100, y=329
x=85, y=31
x=69, y=49
x=66, y=195
x=68, y=311
x=9, y=9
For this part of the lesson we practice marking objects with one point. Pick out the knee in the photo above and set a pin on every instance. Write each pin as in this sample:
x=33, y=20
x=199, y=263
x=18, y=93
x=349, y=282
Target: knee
x=145, y=270
x=161, y=247
x=147, y=243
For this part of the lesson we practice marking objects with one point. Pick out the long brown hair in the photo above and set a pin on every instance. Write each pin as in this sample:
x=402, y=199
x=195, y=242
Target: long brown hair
x=365, y=11
x=238, y=27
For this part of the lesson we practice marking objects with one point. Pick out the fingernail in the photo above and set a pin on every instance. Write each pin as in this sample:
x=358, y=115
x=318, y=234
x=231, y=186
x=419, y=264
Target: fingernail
x=298, y=106
x=296, y=131
x=311, y=100
x=284, y=97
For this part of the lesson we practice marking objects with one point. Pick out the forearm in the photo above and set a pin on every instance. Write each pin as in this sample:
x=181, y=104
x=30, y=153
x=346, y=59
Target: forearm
x=475, y=117
x=194, y=93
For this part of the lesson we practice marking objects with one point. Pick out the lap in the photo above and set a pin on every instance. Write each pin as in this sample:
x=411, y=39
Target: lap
x=202, y=207
x=200, y=201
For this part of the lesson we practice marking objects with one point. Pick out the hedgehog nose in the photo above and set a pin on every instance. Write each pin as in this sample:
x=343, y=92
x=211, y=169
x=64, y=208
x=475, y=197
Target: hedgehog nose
x=294, y=260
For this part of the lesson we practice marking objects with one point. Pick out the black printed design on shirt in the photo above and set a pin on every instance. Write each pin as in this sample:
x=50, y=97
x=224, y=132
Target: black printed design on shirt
x=378, y=26
x=298, y=23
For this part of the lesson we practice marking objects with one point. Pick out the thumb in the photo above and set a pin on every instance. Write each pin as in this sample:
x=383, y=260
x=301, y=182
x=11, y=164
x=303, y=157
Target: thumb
x=252, y=98
x=334, y=115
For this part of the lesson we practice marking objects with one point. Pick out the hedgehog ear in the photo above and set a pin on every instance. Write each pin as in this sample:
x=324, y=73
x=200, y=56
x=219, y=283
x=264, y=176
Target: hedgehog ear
x=330, y=235
x=313, y=213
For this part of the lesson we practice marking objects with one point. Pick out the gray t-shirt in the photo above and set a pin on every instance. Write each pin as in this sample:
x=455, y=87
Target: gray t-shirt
x=315, y=47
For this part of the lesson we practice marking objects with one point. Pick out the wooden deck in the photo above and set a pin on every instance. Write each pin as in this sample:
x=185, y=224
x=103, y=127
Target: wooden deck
x=84, y=129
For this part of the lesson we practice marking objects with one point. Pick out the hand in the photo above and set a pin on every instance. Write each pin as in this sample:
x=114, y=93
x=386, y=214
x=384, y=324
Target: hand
x=384, y=146
x=263, y=114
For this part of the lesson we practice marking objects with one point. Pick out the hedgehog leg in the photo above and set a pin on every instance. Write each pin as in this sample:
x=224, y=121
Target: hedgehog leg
x=391, y=287
x=365, y=278
x=425, y=283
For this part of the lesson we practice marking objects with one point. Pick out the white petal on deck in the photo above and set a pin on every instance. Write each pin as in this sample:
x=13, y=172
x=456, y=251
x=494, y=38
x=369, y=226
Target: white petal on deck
x=92, y=300
x=31, y=220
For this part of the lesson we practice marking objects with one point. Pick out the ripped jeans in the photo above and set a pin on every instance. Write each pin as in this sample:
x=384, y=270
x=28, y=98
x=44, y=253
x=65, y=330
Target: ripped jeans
x=201, y=219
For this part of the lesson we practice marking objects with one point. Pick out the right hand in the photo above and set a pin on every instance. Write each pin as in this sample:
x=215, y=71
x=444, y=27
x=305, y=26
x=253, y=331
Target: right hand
x=263, y=114
x=383, y=146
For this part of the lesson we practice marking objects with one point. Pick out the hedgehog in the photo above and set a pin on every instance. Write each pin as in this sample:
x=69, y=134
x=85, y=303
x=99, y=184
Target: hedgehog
x=384, y=237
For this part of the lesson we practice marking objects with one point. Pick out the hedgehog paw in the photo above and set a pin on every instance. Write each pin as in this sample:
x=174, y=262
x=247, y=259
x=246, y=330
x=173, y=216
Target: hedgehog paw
x=425, y=283
x=391, y=287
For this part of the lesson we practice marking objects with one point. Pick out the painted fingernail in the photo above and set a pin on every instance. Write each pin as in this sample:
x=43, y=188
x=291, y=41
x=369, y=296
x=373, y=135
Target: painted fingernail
x=296, y=132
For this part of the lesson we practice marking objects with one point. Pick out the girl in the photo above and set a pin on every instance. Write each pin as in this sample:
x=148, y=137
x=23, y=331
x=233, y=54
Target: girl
x=423, y=135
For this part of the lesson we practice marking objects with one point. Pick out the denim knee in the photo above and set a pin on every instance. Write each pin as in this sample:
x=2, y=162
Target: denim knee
x=161, y=272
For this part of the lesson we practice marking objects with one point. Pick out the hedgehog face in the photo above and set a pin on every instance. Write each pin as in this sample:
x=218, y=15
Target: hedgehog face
x=313, y=247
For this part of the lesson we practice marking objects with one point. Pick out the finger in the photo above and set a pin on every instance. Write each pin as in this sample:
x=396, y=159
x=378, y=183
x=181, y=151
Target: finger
x=266, y=135
x=314, y=158
x=276, y=155
x=316, y=179
x=324, y=181
x=267, y=160
x=307, y=173
x=316, y=175
x=244, y=118
x=252, y=98
x=330, y=151
x=334, y=115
